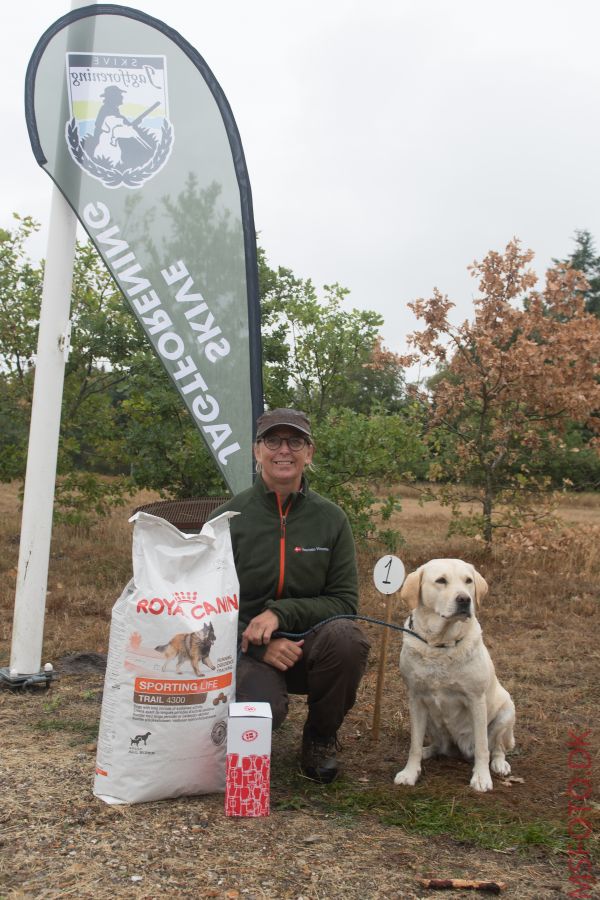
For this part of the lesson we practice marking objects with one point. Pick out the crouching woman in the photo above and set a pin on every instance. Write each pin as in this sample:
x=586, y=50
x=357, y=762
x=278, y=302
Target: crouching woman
x=296, y=563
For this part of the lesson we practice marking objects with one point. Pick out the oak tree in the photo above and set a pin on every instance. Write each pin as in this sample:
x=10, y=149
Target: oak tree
x=509, y=381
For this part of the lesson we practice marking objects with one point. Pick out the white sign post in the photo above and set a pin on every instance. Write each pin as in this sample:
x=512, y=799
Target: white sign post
x=388, y=576
x=40, y=477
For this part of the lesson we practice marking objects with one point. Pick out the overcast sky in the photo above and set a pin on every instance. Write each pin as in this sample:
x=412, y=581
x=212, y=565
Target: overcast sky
x=389, y=142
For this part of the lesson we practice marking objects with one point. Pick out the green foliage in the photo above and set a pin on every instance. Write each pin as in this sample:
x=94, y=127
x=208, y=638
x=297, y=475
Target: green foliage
x=585, y=259
x=121, y=416
x=330, y=362
x=568, y=461
x=104, y=336
x=14, y=421
x=273, y=288
x=320, y=356
x=165, y=449
x=20, y=286
x=356, y=453
x=81, y=496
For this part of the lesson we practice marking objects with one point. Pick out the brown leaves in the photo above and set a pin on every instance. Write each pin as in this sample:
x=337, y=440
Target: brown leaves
x=515, y=375
x=530, y=356
x=503, y=277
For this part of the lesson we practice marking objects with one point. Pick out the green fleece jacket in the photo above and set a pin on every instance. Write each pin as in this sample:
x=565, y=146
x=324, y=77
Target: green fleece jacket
x=308, y=558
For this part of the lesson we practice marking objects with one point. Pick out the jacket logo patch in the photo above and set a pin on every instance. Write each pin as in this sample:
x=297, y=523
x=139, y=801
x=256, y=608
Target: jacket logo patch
x=311, y=549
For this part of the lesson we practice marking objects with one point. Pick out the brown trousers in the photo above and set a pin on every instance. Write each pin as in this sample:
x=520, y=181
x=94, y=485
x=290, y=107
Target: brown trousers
x=333, y=662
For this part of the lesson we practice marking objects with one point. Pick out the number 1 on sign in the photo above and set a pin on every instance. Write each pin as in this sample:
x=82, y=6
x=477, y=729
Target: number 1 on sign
x=388, y=566
x=388, y=574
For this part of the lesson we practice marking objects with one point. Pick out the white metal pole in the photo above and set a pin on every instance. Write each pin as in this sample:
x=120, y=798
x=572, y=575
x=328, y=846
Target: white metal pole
x=40, y=476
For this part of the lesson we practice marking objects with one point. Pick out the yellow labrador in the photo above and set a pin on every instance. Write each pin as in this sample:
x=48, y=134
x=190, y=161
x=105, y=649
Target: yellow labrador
x=454, y=695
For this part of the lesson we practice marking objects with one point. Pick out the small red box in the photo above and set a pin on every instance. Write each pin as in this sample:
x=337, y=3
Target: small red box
x=247, y=786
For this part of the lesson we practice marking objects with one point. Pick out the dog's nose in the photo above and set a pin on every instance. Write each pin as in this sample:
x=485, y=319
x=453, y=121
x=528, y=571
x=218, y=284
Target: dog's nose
x=463, y=602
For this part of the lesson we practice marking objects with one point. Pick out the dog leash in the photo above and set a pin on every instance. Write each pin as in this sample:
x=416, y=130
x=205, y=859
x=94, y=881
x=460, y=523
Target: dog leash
x=294, y=636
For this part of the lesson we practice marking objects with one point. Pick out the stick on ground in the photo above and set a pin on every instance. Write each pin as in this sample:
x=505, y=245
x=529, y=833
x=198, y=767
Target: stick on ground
x=492, y=887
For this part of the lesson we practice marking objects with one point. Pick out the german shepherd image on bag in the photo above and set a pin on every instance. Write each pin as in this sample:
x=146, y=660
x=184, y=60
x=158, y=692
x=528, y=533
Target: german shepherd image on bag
x=193, y=646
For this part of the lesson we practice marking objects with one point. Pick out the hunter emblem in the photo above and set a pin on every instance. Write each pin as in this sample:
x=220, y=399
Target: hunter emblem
x=119, y=131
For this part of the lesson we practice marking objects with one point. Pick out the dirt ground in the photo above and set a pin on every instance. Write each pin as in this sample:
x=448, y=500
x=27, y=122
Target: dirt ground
x=359, y=838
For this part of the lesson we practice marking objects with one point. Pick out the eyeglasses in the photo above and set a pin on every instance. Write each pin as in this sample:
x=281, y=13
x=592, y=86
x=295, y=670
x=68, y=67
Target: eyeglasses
x=274, y=442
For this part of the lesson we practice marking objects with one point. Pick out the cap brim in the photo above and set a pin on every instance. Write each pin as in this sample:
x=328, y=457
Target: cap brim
x=293, y=425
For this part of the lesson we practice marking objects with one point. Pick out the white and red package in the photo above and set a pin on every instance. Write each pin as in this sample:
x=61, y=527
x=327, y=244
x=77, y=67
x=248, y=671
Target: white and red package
x=170, y=671
x=248, y=783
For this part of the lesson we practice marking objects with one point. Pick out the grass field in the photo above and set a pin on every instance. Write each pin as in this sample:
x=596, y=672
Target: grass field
x=361, y=837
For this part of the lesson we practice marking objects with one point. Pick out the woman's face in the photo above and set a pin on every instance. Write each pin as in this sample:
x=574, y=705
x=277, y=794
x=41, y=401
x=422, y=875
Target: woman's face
x=282, y=469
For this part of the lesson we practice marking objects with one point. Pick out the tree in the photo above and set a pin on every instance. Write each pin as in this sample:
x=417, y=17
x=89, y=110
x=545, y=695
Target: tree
x=585, y=259
x=510, y=381
x=104, y=337
x=20, y=283
x=321, y=356
x=121, y=416
x=360, y=457
x=331, y=362
x=165, y=450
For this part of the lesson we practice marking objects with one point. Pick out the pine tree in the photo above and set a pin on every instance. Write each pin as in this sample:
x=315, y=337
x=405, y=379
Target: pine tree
x=585, y=259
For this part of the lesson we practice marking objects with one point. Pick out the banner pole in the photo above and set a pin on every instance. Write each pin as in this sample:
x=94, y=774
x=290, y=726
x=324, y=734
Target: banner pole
x=40, y=477
x=44, y=429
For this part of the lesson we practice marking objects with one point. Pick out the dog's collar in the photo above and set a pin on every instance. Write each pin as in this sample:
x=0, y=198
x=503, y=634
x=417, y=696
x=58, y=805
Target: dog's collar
x=436, y=646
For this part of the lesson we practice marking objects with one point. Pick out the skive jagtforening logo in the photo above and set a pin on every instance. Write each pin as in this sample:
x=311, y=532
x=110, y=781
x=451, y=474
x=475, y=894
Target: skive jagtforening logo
x=119, y=130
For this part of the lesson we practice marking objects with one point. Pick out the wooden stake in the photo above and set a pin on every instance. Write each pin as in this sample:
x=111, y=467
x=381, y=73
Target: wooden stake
x=381, y=671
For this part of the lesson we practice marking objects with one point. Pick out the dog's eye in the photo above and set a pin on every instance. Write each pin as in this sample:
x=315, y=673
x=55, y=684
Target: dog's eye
x=441, y=580
x=469, y=580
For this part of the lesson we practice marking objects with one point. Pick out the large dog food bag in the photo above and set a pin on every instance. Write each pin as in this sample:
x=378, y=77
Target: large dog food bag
x=171, y=666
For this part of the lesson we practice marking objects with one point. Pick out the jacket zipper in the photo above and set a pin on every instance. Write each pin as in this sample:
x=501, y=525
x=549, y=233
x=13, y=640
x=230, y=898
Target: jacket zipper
x=283, y=521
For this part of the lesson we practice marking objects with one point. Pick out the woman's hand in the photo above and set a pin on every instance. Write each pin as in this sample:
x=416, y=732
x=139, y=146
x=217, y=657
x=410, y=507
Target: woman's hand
x=259, y=629
x=282, y=654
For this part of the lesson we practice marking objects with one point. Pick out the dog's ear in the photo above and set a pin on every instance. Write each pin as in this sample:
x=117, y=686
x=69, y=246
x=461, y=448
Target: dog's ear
x=481, y=587
x=411, y=589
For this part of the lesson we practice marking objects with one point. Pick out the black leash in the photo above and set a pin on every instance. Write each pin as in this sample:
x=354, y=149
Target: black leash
x=292, y=636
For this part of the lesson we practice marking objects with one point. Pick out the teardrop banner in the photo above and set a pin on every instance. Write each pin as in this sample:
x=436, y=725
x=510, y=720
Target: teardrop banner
x=132, y=126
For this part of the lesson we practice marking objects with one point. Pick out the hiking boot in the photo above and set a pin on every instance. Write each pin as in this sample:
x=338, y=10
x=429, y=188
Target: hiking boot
x=318, y=760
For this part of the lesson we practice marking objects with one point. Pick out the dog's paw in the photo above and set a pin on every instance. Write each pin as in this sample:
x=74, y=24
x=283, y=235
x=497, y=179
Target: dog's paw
x=500, y=767
x=430, y=751
x=482, y=781
x=407, y=776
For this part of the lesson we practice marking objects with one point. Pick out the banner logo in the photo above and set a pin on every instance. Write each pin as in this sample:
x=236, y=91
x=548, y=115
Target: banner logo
x=119, y=130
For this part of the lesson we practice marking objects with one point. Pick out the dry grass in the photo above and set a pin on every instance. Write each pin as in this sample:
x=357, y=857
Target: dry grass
x=88, y=569
x=540, y=623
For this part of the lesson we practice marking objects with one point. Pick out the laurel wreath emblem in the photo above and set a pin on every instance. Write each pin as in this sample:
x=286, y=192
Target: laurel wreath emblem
x=111, y=177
